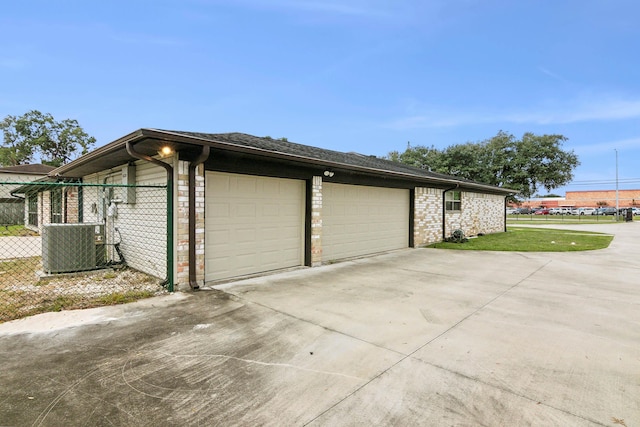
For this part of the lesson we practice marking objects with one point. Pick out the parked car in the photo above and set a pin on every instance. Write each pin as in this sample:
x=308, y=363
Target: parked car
x=636, y=211
x=511, y=211
x=604, y=211
x=542, y=211
x=555, y=211
x=522, y=211
x=561, y=211
x=586, y=211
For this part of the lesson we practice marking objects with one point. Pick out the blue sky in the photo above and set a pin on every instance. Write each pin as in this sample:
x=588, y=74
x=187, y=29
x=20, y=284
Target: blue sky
x=350, y=75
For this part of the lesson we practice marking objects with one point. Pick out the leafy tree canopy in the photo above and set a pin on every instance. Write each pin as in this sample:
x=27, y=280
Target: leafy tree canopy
x=525, y=164
x=35, y=134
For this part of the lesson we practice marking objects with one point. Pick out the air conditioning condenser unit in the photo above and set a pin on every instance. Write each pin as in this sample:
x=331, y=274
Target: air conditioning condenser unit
x=68, y=247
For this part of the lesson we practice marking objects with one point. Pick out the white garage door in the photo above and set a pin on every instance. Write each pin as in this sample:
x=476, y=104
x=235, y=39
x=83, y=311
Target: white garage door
x=360, y=220
x=253, y=224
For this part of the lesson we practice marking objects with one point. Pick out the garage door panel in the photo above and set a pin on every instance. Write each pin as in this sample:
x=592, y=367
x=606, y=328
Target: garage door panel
x=219, y=210
x=245, y=185
x=252, y=224
x=359, y=220
x=220, y=237
x=271, y=210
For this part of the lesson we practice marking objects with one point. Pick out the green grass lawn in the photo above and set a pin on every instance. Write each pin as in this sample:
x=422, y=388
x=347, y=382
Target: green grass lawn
x=16, y=230
x=526, y=239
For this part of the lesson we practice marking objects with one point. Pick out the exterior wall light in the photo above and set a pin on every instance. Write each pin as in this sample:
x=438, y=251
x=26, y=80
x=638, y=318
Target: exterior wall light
x=328, y=173
x=165, y=151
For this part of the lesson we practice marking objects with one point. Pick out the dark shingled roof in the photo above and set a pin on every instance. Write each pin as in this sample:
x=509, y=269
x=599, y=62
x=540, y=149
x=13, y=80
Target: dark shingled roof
x=149, y=141
x=321, y=154
x=36, y=169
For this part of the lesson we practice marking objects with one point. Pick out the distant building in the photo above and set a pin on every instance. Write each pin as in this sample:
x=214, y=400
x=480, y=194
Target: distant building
x=11, y=177
x=626, y=198
x=588, y=198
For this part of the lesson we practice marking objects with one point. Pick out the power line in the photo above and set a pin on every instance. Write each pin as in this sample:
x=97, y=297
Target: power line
x=609, y=182
x=601, y=181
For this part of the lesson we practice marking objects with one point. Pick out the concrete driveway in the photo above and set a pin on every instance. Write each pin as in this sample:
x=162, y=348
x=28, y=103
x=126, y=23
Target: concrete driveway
x=20, y=247
x=415, y=337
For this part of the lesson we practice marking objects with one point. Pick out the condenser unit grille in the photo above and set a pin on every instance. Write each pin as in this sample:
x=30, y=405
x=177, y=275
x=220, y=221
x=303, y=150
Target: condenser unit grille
x=68, y=247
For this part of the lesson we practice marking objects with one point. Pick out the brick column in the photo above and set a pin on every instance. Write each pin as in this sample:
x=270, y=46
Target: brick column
x=182, y=228
x=427, y=221
x=182, y=241
x=316, y=221
x=72, y=208
x=200, y=200
x=45, y=202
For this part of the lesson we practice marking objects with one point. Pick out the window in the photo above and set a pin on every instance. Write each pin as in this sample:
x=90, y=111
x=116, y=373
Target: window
x=453, y=200
x=32, y=209
x=56, y=206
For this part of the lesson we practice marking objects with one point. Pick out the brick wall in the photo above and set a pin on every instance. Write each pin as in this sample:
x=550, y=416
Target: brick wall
x=594, y=198
x=427, y=223
x=316, y=221
x=480, y=213
x=71, y=208
x=182, y=226
x=45, y=216
x=200, y=190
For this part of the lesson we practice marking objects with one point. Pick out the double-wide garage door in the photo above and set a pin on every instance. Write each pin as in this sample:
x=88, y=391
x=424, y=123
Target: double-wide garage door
x=359, y=220
x=252, y=224
x=255, y=224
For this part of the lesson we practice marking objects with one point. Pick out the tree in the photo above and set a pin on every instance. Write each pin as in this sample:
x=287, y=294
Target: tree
x=541, y=162
x=524, y=165
x=420, y=157
x=35, y=134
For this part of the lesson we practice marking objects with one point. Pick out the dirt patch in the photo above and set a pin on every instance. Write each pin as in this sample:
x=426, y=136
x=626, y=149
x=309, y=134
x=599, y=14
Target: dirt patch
x=23, y=294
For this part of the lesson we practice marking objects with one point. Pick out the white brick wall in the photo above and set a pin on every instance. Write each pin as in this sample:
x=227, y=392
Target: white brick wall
x=427, y=223
x=480, y=213
x=316, y=221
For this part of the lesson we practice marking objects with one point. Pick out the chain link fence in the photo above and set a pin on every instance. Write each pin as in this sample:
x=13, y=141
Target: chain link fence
x=67, y=245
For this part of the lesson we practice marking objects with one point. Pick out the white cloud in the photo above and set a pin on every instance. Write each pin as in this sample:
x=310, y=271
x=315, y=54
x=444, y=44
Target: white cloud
x=602, y=109
x=550, y=73
x=598, y=110
x=609, y=146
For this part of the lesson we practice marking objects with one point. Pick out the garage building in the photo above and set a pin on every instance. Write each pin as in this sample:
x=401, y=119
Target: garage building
x=245, y=205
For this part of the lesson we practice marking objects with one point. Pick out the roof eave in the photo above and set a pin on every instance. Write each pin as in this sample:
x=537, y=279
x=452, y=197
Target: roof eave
x=118, y=144
x=328, y=164
x=162, y=135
